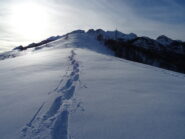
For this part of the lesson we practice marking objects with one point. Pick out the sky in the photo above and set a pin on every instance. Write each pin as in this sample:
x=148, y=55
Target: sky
x=26, y=21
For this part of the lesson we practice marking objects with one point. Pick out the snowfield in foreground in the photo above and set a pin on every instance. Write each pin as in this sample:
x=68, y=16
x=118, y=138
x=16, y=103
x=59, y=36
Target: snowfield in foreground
x=76, y=89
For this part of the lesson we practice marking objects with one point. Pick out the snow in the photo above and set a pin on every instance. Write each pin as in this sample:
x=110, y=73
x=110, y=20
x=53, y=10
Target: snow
x=128, y=100
x=113, y=34
x=75, y=88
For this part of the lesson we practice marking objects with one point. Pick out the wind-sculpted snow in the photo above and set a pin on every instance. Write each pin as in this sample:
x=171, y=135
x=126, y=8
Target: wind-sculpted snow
x=54, y=123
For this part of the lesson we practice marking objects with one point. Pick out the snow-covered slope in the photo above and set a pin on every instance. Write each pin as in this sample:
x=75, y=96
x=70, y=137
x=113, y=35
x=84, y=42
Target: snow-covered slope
x=75, y=89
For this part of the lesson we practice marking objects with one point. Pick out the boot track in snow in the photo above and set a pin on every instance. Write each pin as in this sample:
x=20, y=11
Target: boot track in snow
x=54, y=123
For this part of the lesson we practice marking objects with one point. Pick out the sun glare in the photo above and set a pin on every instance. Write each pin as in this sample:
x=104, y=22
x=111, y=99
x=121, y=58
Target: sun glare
x=30, y=20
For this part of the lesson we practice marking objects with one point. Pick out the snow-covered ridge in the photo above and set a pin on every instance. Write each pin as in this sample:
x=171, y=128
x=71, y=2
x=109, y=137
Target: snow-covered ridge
x=161, y=41
x=146, y=42
x=112, y=34
x=164, y=40
x=81, y=39
x=160, y=52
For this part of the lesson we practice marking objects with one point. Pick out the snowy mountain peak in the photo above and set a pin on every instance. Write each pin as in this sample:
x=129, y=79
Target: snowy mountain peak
x=128, y=46
x=147, y=43
x=164, y=40
x=112, y=34
x=77, y=31
x=132, y=36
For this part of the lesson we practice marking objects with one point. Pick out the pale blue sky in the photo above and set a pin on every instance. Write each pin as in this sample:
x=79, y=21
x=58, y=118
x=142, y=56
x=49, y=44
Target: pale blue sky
x=25, y=21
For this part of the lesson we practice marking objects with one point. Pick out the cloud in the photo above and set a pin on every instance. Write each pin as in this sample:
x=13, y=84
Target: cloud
x=168, y=11
x=144, y=17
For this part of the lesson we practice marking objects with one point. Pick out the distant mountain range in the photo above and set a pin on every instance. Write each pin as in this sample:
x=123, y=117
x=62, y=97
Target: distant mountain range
x=163, y=52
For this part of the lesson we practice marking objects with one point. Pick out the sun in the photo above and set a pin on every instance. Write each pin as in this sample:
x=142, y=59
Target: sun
x=30, y=20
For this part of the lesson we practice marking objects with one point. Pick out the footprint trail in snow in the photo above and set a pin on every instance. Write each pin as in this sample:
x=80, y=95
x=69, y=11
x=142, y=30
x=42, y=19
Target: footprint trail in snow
x=54, y=123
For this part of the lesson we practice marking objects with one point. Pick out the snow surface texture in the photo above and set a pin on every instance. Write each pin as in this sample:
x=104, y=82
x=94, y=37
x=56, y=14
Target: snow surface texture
x=54, y=123
x=76, y=89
